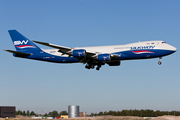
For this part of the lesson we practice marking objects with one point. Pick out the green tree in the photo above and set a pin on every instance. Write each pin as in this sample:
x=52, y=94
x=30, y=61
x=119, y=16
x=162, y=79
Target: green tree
x=18, y=112
x=105, y=113
x=54, y=114
x=27, y=113
x=45, y=115
x=32, y=113
x=24, y=113
x=100, y=113
x=110, y=112
x=92, y=114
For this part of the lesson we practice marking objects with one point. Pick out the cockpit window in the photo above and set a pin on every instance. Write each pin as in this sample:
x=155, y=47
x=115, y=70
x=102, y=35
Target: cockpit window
x=163, y=42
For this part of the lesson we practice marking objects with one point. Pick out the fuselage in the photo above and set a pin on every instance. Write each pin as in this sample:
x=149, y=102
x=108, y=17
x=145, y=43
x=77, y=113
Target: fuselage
x=138, y=50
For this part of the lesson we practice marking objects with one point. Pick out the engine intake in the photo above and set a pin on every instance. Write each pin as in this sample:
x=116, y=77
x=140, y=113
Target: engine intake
x=79, y=53
x=104, y=57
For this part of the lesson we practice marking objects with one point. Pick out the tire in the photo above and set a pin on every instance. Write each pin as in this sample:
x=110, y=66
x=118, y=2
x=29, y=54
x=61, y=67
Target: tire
x=159, y=62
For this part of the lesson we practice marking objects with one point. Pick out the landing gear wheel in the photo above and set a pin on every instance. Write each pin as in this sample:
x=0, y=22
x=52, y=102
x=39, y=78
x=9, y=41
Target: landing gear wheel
x=92, y=66
x=159, y=62
x=87, y=67
x=97, y=68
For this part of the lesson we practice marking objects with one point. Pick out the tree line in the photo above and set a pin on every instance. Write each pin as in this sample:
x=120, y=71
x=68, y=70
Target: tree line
x=140, y=113
x=50, y=114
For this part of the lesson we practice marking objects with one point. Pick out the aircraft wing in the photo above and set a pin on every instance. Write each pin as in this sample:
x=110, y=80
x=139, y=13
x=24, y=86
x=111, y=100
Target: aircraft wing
x=61, y=48
x=67, y=50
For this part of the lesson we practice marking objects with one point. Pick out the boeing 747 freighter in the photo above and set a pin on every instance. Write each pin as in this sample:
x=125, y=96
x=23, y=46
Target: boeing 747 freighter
x=91, y=56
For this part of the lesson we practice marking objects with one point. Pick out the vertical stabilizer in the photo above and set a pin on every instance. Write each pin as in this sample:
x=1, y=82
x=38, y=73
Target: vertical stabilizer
x=22, y=43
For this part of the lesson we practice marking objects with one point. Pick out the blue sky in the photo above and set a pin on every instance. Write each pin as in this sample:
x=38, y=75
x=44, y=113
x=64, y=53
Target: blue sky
x=136, y=84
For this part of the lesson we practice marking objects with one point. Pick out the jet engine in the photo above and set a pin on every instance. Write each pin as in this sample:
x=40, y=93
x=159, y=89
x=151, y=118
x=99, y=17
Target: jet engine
x=104, y=57
x=79, y=53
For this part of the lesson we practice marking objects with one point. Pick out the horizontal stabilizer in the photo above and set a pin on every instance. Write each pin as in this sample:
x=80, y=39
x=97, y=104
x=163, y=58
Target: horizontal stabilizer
x=20, y=53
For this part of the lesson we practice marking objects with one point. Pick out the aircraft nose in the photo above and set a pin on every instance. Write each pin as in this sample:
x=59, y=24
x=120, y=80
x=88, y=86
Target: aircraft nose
x=173, y=48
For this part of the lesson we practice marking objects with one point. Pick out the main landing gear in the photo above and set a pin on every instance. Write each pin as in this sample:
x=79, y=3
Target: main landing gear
x=91, y=66
x=160, y=61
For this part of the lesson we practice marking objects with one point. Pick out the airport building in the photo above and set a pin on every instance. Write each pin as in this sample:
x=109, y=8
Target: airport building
x=7, y=111
x=82, y=114
x=64, y=116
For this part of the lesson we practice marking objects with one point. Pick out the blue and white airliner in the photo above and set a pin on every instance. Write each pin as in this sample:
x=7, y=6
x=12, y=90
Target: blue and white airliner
x=91, y=56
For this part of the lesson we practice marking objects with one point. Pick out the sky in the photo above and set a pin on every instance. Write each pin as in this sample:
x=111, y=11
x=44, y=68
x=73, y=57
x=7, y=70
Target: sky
x=135, y=84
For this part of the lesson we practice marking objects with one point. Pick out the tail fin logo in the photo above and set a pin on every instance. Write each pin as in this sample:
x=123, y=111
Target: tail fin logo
x=19, y=44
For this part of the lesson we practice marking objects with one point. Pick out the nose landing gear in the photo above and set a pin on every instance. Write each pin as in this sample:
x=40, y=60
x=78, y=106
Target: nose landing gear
x=160, y=61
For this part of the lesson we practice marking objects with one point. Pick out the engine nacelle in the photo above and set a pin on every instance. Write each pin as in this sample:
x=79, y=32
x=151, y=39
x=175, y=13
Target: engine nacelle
x=79, y=53
x=104, y=57
x=115, y=63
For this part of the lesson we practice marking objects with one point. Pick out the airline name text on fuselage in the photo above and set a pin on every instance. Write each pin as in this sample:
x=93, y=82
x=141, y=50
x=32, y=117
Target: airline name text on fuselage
x=142, y=47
